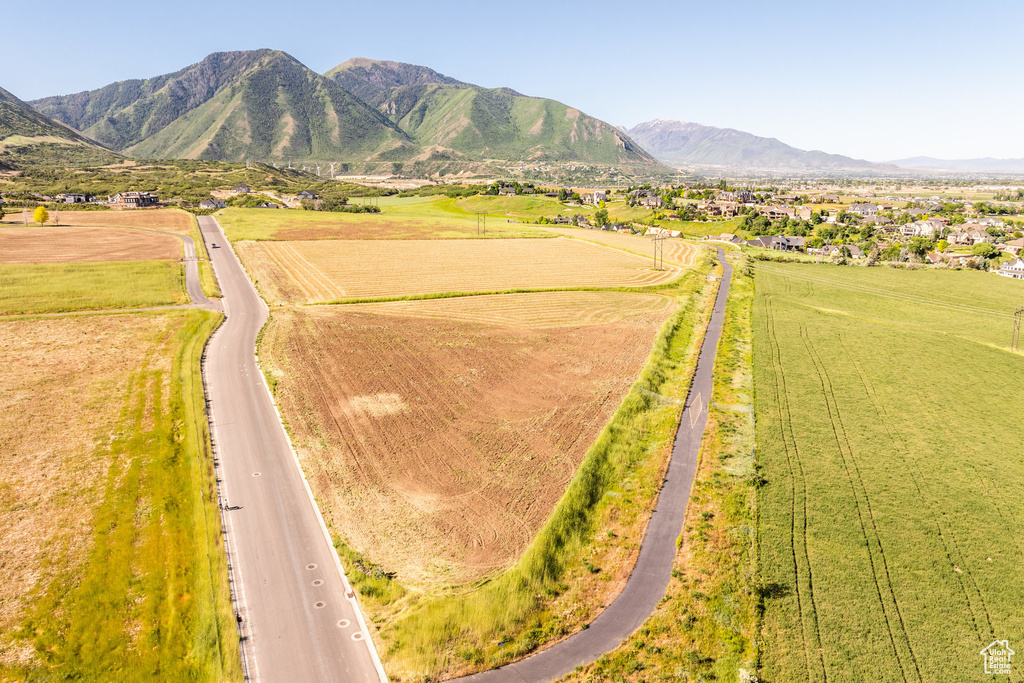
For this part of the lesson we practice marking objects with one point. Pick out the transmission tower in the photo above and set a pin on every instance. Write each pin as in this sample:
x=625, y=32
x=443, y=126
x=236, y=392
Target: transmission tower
x=481, y=223
x=659, y=251
x=1015, y=340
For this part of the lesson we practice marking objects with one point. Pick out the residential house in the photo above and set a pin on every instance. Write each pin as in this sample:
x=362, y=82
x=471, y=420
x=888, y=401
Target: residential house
x=269, y=205
x=990, y=222
x=804, y=212
x=133, y=200
x=774, y=213
x=863, y=209
x=652, y=201
x=918, y=229
x=877, y=220
x=855, y=251
x=73, y=198
x=507, y=191
x=210, y=204
x=1014, y=246
x=778, y=242
x=663, y=232
x=1013, y=269
x=308, y=194
x=917, y=212
x=786, y=198
x=827, y=199
x=726, y=237
x=560, y=220
x=241, y=189
x=741, y=196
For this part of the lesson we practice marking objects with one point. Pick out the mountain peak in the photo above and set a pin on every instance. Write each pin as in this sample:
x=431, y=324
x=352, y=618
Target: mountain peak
x=373, y=79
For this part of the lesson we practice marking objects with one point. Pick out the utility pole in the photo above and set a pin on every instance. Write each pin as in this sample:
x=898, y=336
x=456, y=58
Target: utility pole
x=659, y=251
x=1015, y=339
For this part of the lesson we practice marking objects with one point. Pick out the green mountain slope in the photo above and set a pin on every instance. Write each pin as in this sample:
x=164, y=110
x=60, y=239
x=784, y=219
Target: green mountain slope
x=260, y=104
x=28, y=138
x=443, y=115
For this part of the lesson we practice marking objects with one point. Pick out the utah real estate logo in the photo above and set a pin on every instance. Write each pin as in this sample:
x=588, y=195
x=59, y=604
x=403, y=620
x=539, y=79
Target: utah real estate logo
x=997, y=657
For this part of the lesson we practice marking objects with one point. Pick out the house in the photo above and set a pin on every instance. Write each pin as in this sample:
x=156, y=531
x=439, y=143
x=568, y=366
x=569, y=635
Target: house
x=863, y=209
x=133, y=200
x=934, y=258
x=561, y=220
x=741, y=196
x=268, y=205
x=308, y=194
x=774, y=213
x=804, y=212
x=652, y=201
x=726, y=237
x=212, y=204
x=990, y=222
x=1014, y=269
x=778, y=242
x=786, y=198
x=855, y=251
x=507, y=191
x=878, y=220
x=241, y=189
x=1014, y=246
x=918, y=229
x=917, y=212
x=663, y=232
x=959, y=259
x=73, y=198
x=827, y=199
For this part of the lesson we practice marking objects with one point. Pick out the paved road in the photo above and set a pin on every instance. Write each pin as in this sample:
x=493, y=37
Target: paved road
x=192, y=283
x=298, y=620
x=649, y=580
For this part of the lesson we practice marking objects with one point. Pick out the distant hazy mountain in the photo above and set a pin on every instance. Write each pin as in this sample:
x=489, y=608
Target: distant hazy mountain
x=447, y=117
x=983, y=165
x=232, y=106
x=678, y=143
x=31, y=136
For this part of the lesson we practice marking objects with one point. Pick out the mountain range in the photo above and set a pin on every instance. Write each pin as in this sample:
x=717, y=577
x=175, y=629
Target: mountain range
x=25, y=133
x=265, y=105
x=678, y=143
x=981, y=166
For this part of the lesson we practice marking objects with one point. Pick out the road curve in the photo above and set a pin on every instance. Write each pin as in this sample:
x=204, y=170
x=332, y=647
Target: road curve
x=649, y=579
x=297, y=613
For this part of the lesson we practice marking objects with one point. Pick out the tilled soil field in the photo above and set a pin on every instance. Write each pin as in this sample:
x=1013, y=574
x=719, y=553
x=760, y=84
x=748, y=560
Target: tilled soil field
x=330, y=270
x=65, y=245
x=438, y=447
x=536, y=309
x=675, y=251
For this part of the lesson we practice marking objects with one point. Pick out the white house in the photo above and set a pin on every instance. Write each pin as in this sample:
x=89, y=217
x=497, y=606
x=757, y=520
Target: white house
x=1014, y=269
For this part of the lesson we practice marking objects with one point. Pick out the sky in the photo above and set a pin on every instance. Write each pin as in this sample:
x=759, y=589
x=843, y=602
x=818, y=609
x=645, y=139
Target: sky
x=869, y=79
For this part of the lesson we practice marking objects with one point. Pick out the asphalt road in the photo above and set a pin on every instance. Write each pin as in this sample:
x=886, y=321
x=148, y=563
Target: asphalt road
x=649, y=579
x=298, y=615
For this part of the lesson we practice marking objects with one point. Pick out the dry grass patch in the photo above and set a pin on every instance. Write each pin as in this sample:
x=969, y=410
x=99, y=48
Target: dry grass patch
x=60, y=397
x=441, y=446
x=676, y=251
x=62, y=245
x=326, y=271
x=530, y=310
x=169, y=220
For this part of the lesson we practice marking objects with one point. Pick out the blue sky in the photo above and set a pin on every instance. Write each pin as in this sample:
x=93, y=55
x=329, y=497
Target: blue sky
x=870, y=79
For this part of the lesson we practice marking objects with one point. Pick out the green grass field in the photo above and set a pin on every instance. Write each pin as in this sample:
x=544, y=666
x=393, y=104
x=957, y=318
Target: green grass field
x=58, y=287
x=151, y=601
x=890, y=523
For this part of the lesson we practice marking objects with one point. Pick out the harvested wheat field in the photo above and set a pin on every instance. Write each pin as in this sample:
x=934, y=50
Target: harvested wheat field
x=64, y=245
x=169, y=220
x=537, y=309
x=676, y=251
x=305, y=272
x=438, y=446
x=61, y=396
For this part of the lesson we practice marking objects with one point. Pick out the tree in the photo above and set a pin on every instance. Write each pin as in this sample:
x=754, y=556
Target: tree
x=1, y=212
x=562, y=195
x=942, y=246
x=601, y=217
x=985, y=250
x=919, y=246
x=40, y=215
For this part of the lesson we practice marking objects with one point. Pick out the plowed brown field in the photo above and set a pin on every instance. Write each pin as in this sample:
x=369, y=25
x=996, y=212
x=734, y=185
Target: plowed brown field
x=325, y=271
x=170, y=220
x=675, y=251
x=63, y=245
x=439, y=446
x=537, y=309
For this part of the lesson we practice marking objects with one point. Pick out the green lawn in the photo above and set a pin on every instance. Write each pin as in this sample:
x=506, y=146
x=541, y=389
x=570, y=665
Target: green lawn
x=58, y=287
x=889, y=537
x=151, y=600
